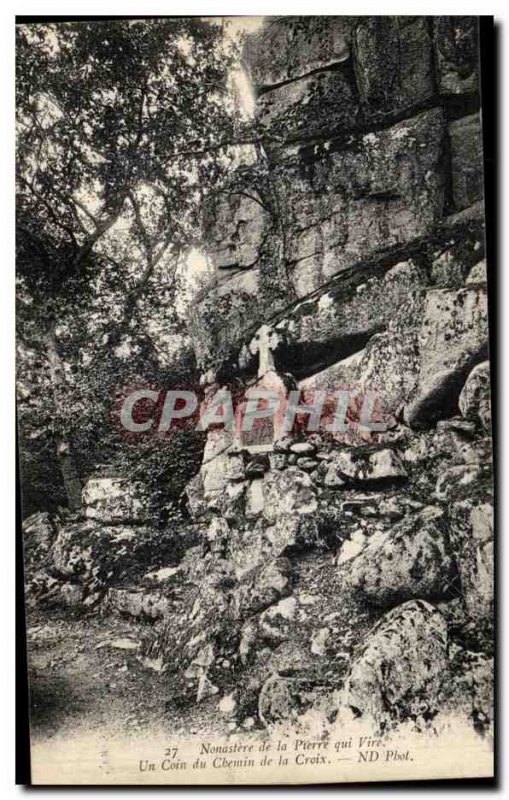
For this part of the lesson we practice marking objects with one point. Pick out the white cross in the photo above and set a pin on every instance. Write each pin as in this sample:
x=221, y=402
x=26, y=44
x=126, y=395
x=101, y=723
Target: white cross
x=265, y=341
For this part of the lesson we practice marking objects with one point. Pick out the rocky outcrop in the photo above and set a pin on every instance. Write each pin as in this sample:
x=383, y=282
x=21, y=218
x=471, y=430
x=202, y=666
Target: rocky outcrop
x=360, y=561
x=370, y=139
x=368, y=466
x=456, y=43
x=422, y=362
x=88, y=563
x=114, y=500
x=401, y=667
x=471, y=526
x=410, y=560
x=39, y=531
x=291, y=47
x=351, y=570
x=339, y=73
x=452, y=338
x=474, y=401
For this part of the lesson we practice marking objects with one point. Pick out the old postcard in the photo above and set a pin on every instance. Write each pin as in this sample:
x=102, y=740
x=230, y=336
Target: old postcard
x=253, y=389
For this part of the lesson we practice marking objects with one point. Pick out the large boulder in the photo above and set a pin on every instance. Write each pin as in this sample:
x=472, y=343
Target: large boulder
x=289, y=493
x=410, y=560
x=365, y=466
x=469, y=688
x=445, y=323
x=262, y=586
x=423, y=359
x=288, y=48
x=466, y=161
x=114, y=500
x=399, y=671
x=316, y=75
x=472, y=540
x=39, y=531
x=97, y=556
x=236, y=224
x=475, y=399
x=75, y=549
x=340, y=206
x=456, y=43
x=453, y=337
x=336, y=322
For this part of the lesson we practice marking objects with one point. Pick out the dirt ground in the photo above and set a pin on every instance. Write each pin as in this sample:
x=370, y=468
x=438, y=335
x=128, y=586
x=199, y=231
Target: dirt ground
x=85, y=676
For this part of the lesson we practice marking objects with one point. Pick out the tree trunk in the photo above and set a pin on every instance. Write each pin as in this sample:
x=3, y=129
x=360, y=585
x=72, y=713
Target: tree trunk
x=72, y=482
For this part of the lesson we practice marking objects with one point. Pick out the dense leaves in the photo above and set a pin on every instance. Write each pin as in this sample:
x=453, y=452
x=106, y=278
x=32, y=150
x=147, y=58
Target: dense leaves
x=120, y=129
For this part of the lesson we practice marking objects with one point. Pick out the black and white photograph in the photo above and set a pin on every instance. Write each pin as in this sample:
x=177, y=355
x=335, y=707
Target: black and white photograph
x=254, y=296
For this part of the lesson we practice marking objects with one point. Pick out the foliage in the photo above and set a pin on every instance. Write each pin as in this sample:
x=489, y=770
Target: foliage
x=120, y=125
